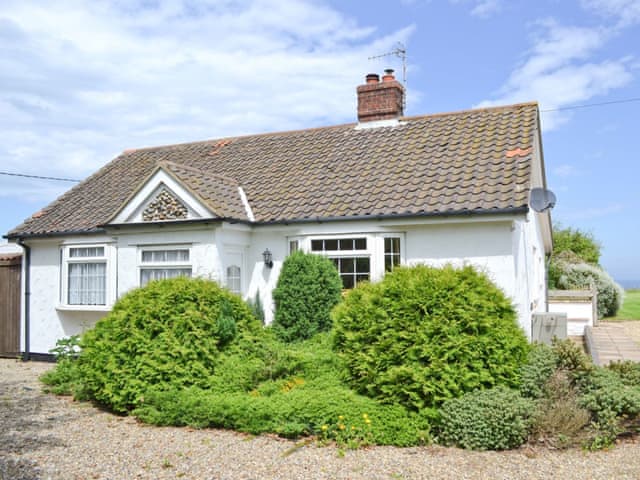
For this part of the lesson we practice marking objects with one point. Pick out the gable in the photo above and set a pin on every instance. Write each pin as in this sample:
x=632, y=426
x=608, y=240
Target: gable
x=161, y=198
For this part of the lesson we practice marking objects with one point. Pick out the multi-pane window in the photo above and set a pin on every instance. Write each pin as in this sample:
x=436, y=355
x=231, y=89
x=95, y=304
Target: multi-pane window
x=338, y=244
x=234, y=280
x=391, y=253
x=349, y=255
x=160, y=264
x=86, y=277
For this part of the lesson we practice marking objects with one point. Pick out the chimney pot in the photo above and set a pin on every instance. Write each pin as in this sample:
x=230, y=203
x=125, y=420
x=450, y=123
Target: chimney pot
x=373, y=78
x=388, y=75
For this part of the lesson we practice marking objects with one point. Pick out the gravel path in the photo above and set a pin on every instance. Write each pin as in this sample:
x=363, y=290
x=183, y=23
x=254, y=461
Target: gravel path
x=47, y=437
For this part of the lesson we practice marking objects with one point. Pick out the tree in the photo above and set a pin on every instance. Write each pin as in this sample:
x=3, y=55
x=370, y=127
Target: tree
x=582, y=244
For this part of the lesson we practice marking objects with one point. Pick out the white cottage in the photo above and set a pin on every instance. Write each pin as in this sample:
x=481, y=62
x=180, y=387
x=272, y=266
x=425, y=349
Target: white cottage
x=386, y=191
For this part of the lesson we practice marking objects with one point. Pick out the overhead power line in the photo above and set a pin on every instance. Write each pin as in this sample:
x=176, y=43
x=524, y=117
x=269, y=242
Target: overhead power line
x=57, y=179
x=587, y=105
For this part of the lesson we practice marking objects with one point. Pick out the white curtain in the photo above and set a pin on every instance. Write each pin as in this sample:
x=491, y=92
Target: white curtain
x=87, y=284
x=149, y=274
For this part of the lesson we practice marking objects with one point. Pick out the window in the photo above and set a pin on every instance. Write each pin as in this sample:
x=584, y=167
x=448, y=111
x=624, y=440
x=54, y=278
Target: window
x=391, y=253
x=349, y=255
x=294, y=246
x=84, y=275
x=234, y=280
x=159, y=264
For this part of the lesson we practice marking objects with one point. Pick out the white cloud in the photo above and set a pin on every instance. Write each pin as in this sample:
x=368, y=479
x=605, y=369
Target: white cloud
x=486, y=8
x=559, y=72
x=626, y=12
x=81, y=81
x=481, y=8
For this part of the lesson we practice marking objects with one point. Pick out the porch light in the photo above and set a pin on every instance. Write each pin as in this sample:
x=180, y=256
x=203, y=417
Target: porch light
x=268, y=258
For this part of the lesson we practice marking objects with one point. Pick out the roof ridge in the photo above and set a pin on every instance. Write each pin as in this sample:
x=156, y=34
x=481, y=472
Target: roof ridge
x=531, y=103
x=326, y=127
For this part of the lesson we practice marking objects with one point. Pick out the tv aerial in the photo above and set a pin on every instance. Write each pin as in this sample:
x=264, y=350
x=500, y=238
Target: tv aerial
x=399, y=51
x=541, y=199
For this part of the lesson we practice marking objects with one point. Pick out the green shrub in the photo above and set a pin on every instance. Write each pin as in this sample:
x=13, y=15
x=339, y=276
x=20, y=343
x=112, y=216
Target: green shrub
x=583, y=276
x=494, y=419
x=64, y=379
x=572, y=358
x=612, y=403
x=628, y=371
x=582, y=244
x=423, y=335
x=603, y=391
x=534, y=375
x=308, y=288
x=291, y=390
x=255, y=305
x=294, y=408
x=170, y=333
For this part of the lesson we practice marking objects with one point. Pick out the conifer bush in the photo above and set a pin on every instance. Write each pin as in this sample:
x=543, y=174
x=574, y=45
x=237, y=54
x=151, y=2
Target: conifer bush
x=308, y=288
x=494, y=419
x=168, y=334
x=424, y=335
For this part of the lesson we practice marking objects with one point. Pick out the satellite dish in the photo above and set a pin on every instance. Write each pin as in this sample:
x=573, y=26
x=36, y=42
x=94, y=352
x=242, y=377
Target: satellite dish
x=541, y=199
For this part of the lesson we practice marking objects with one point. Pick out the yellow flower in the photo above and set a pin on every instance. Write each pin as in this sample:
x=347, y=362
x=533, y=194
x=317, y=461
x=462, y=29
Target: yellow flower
x=340, y=417
x=367, y=421
x=341, y=426
x=352, y=427
x=365, y=416
x=324, y=428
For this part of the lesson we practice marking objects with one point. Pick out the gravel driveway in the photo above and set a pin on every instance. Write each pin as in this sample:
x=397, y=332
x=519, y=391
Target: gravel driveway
x=46, y=437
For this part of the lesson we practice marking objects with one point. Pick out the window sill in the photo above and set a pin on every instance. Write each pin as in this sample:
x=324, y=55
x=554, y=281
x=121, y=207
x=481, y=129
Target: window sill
x=83, y=308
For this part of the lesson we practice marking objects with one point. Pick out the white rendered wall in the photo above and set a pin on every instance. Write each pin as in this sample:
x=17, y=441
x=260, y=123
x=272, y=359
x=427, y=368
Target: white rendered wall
x=47, y=322
x=508, y=249
x=579, y=313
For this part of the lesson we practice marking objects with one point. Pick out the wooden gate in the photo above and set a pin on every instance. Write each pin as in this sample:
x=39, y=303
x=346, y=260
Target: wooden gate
x=10, y=270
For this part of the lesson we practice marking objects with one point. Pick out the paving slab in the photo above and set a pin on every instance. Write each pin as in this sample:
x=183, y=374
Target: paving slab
x=610, y=342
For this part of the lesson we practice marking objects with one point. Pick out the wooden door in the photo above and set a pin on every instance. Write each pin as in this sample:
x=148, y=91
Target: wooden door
x=10, y=271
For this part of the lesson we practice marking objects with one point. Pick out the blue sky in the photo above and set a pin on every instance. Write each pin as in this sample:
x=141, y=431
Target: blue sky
x=82, y=81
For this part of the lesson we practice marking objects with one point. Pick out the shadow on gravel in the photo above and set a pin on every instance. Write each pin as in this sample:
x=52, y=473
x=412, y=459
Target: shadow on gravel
x=24, y=426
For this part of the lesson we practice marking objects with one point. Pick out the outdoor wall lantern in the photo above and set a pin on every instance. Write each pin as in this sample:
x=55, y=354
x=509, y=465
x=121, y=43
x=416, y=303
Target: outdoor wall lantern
x=268, y=258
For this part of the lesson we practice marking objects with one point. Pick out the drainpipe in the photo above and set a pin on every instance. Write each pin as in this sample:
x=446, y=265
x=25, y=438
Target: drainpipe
x=27, y=296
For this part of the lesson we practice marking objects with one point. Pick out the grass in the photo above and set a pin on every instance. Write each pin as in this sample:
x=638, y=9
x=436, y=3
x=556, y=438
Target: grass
x=630, y=308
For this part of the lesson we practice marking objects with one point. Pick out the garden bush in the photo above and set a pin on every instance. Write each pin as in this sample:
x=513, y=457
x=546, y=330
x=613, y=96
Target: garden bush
x=309, y=286
x=424, y=335
x=583, y=276
x=534, y=375
x=170, y=333
x=494, y=419
x=292, y=408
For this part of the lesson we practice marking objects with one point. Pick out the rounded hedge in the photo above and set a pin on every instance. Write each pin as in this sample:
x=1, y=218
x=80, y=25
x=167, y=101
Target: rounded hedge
x=494, y=419
x=309, y=286
x=168, y=334
x=584, y=276
x=424, y=335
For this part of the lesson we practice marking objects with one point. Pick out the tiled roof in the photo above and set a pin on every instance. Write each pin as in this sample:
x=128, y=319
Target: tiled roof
x=462, y=162
x=217, y=192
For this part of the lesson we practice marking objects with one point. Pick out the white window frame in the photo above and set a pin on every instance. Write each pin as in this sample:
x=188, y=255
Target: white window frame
x=163, y=265
x=375, y=248
x=108, y=258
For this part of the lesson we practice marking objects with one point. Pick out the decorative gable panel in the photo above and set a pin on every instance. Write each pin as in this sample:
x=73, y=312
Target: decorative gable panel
x=165, y=206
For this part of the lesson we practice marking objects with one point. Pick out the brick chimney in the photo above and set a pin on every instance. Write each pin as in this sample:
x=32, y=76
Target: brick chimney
x=380, y=100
